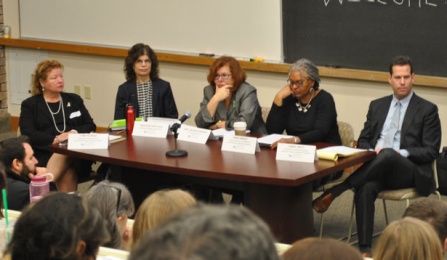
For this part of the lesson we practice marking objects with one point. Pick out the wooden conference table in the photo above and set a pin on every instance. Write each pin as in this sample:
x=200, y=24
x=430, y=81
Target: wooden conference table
x=280, y=192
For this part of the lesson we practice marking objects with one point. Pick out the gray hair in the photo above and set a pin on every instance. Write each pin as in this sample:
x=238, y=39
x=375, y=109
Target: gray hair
x=308, y=67
x=209, y=232
x=104, y=196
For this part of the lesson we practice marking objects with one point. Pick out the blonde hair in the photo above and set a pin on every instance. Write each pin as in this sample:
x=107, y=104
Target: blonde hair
x=321, y=248
x=157, y=208
x=408, y=238
x=41, y=73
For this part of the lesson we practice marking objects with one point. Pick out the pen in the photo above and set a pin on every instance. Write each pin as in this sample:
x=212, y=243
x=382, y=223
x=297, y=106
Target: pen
x=119, y=132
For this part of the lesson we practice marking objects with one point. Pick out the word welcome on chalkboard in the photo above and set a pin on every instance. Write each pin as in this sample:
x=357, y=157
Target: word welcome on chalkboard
x=366, y=34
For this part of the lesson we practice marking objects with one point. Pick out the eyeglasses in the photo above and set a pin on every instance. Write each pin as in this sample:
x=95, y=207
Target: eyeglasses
x=223, y=76
x=140, y=62
x=297, y=83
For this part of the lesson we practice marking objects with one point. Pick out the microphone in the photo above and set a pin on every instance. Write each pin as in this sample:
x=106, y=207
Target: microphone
x=179, y=122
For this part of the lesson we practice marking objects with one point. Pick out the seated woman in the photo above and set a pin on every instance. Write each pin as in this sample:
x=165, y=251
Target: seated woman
x=116, y=205
x=229, y=98
x=48, y=117
x=144, y=90
x=408, y=238
x=159, y=207
x=58, y=226
x=304, y=110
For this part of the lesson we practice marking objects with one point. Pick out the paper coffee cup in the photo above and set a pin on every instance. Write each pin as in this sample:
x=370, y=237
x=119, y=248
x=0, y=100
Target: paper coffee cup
x=6, y=31
x=239, y=128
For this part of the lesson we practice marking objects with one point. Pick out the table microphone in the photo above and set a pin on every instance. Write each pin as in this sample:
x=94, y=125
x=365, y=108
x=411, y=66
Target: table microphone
x=176, y=152
x=179, y=122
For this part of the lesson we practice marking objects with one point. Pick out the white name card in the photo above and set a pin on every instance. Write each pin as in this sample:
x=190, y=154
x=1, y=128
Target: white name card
x=88, y=141
x=150, y=128
x=240, y=144
x=193, y=134
x=296, y=152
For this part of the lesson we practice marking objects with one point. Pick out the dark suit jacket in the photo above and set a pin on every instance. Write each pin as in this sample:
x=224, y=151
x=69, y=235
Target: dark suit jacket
x=37, y=123
x=163, y=103
x=420, y=135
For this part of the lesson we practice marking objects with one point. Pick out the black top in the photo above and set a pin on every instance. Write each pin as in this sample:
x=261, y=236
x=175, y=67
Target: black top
x=17, y=190
x=318, y=124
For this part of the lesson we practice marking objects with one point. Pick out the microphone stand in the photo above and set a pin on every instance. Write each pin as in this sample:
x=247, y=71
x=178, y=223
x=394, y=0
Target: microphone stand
x=176, y=152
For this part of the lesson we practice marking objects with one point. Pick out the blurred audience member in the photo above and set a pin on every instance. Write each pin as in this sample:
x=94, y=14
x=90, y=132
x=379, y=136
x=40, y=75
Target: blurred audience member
x=116, y=205
x=314, y=248
x=209, y=232
x=159, y=207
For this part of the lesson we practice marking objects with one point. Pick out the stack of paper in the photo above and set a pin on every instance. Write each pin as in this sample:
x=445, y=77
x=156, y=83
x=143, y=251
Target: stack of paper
x=267, y=141
x=333, y=152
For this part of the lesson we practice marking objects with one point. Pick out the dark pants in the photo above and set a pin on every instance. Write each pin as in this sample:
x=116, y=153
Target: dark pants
x=388, y=171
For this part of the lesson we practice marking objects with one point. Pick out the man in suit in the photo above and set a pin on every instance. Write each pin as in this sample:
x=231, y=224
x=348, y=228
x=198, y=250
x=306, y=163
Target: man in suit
x=406, y=143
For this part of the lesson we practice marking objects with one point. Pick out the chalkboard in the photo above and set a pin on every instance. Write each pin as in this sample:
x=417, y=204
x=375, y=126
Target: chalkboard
x=366, y=34
x=246, y=29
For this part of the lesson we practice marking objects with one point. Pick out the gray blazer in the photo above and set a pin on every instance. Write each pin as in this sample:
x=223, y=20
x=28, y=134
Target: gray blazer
x=244, y=106
x=420, y=135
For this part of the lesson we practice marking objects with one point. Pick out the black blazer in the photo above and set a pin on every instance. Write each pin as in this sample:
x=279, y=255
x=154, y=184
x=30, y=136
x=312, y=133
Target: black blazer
x=37, y=123
x=163, y=103
x=420, y=135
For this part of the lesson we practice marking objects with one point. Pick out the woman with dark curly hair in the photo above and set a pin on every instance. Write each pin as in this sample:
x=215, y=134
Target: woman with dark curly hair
x=144, y=90
x=58, y=226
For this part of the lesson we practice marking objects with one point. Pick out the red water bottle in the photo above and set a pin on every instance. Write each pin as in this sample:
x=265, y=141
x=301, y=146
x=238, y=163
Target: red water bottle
x=130, y=119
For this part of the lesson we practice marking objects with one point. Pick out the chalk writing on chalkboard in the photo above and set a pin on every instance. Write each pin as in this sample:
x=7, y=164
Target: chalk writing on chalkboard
x=409, y=3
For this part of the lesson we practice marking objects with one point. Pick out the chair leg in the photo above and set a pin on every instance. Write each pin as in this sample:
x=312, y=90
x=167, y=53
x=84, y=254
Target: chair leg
x=351, y=221
x=385, y=212
x=321, y=224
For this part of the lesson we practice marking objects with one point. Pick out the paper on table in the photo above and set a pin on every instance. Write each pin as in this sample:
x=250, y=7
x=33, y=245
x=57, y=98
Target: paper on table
x=333, y=152
x=267, y=141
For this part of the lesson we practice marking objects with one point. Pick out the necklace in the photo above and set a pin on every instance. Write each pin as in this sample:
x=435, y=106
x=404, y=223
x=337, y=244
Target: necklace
x=61, y=102
x=305, y=108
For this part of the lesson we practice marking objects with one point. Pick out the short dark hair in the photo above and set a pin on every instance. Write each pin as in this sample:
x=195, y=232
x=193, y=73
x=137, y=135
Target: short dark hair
x=432, y=211
x=209, y=232
x=52, y=227
x=11, y=149
x=400, y=60
x=132, y=56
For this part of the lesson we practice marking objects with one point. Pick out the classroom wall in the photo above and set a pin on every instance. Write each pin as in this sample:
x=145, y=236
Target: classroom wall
x=104, y=74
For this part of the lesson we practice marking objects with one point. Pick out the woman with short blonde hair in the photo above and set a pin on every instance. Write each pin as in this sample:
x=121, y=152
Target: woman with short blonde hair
x=408, y=238
x=157, y=208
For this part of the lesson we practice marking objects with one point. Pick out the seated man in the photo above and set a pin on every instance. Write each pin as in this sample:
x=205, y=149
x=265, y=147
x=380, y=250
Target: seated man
x=18, y=159
x=405, y=131
x=434, y=212
x=209, y=232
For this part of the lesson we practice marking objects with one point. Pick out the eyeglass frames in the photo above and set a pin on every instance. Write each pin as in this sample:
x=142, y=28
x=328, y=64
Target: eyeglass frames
x=297, y=83
x=222, y=76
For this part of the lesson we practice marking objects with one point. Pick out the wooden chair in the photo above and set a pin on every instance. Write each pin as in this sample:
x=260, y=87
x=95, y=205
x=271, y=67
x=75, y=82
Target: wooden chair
x=395, y=195
x=347, y=138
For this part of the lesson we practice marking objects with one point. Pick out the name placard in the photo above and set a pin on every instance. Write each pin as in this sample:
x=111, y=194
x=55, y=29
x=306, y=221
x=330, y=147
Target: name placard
x=88, y=141
x=151, y=128
x=193, y=134
x=296, y=152
x=240, y=144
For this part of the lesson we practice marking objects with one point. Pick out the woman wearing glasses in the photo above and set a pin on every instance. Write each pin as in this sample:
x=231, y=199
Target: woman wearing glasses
x=149, y=95
x=229, y=99
x=304, y=110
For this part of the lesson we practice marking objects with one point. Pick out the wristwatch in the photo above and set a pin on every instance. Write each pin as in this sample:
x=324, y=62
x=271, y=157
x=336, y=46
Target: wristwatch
x=296, y=139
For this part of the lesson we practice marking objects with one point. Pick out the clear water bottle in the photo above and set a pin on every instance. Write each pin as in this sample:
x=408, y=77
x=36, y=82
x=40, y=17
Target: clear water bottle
x=38, y=187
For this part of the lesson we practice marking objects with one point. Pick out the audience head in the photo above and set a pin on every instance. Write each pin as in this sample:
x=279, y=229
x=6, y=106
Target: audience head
x=159, y=207
x=41, y=74
x=137, y=55
x=308, y=71
x=401, y=61
x=226, y=71
x=209, y=232
x=17, y=156
x=408, y=238
x=115, y=204
x=432, y=211
x=58, y=226
x=314, y=248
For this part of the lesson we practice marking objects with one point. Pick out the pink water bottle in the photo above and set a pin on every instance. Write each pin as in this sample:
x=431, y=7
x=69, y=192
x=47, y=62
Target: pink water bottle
x=130, y=119
x=38, y=187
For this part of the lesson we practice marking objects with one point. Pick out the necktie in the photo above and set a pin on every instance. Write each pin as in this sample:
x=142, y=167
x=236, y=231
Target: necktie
x=394, y=126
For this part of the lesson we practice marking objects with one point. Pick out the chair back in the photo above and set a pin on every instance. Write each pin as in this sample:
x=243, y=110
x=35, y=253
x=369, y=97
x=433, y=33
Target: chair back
x=346, y=133
x=265, y=112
